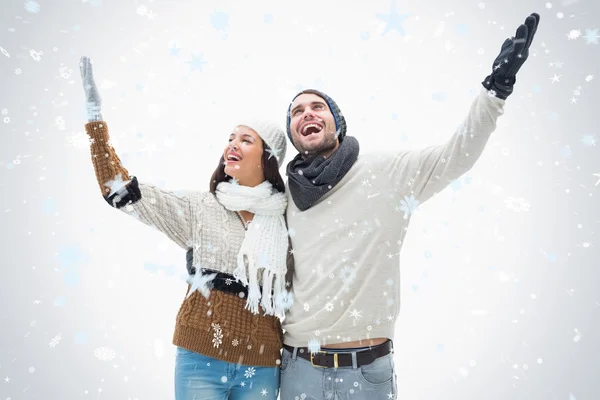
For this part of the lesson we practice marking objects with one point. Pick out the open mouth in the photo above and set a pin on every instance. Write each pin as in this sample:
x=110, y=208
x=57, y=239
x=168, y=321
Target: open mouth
x=311, y=129
x=232, y=158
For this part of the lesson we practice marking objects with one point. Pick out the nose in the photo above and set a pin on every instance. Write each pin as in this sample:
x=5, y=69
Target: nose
x=308, y=112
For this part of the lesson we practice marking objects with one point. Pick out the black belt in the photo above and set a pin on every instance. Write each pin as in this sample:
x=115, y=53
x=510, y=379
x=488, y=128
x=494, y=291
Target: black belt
x=324, y=359
x=223, y=282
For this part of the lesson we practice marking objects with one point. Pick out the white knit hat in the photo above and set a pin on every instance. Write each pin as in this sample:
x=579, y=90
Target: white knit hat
x=272, y=135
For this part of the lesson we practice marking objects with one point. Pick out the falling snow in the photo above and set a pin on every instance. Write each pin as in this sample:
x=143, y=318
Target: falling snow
x=526, y=221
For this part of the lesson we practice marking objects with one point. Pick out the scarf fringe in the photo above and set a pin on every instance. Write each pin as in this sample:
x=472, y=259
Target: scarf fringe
x=267, y=283
x=253, y=289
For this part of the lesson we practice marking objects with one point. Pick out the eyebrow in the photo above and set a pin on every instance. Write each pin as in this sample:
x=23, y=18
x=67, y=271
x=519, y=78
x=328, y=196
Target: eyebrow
x=311, y=103
x=245, y=134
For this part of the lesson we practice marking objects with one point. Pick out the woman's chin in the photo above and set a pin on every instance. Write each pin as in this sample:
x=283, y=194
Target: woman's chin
x=232, y=173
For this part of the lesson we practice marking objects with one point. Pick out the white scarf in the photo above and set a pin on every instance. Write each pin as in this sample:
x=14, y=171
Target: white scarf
x=265, y=244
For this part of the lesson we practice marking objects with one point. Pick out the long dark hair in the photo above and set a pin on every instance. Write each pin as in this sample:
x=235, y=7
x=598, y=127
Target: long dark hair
x=269, y=165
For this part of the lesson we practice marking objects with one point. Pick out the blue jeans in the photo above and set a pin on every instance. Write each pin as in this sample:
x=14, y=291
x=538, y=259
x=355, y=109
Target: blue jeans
x=300, y=380
x=198, y=377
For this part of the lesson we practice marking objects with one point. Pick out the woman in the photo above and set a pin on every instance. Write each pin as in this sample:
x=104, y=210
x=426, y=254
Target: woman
x=227, y=331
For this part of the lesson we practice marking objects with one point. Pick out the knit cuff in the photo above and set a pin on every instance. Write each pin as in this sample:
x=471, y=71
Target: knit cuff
x=128, y=194
x=94, y=112
x=501, y=85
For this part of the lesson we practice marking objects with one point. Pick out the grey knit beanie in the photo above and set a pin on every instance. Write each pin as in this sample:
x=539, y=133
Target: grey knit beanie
x=272, y=135
x=340, y=121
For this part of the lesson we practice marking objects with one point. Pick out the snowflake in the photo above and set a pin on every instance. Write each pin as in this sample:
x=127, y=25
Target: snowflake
x=347, y=274
x=55, y=341
x=273, y=153
x=548, y=5
x=409, y=205
x=574, y=34
x=589, y=140
x=65, y=72
x=517, y=204
x=491, y=93
x=60, y=123
x=355, y=314
x=142, y=10
x=4, y=111
x=32, y=6
x=250, y=373
x=36, y=55
x=314, y=345
x=218, y=335
x=329, y=307
x=220, y=21
x=196, y=62
x=591, y=36
x=228, y=281
x=6, y=120
x=116, y=184
x=560, y=15
x=306, y=307
x=18, y=71
x=481, y=6
x=589, y=78
x=264, y=392
x=235, y=342
x=104, y=353
x=31, y=370
x=79, y=140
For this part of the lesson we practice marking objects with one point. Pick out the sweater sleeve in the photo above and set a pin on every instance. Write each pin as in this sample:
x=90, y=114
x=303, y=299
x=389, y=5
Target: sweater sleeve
x=169, y=213
x=423, y=173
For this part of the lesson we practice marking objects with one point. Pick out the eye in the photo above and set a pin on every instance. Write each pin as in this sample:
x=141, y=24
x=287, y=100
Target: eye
x=246, y=141
x=296, y=112
x=319, y=106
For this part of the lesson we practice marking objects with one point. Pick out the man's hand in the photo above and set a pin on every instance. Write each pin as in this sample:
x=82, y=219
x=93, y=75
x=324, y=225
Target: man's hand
x=512, y=56
x=92, y=96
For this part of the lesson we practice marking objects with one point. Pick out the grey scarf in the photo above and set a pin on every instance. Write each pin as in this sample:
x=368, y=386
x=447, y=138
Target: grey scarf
x=310, y=179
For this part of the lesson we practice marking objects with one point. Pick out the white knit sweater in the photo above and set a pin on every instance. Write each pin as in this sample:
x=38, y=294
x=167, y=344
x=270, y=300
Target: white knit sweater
x=347, y=246
x=193, y=220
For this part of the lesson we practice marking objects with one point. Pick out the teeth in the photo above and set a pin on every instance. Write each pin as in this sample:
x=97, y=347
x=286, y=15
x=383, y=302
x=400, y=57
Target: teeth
x=232, y=157
x=312, y=125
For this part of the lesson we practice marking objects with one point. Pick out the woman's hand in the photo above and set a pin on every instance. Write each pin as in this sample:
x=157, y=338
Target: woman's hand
x=92, y=96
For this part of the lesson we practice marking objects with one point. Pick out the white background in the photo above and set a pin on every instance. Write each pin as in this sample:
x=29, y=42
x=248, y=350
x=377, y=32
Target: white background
x=500, y=271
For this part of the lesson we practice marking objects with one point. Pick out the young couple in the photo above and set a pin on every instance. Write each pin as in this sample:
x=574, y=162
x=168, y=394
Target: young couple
x=335, y=232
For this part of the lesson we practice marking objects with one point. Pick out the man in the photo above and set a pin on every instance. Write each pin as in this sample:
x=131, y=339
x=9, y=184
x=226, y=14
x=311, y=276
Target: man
x=347, y=220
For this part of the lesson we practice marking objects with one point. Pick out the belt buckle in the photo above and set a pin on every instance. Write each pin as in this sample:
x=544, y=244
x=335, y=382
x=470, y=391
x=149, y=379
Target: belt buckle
x=335, y=359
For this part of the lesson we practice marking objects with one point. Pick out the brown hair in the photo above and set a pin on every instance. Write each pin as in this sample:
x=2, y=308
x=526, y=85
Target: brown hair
x=269, y=165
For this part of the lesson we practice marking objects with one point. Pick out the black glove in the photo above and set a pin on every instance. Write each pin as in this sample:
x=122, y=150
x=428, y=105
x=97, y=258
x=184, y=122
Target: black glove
x=512, y=56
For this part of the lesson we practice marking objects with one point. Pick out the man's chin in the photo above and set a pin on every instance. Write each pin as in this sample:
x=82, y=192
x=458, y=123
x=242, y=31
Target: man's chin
x=312, y=151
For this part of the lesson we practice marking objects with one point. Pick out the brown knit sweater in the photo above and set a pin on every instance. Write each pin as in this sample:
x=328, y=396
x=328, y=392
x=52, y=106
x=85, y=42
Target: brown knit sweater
x=220, y=326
